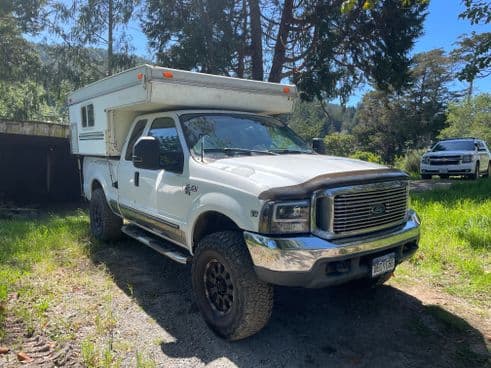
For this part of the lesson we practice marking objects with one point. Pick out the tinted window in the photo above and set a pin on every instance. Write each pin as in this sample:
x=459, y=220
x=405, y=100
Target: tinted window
x=221, y=133
x=90, y=115
x=164, y=129
x=83, y=111
x=481, y=146
x=454, y=146
x=137, y=132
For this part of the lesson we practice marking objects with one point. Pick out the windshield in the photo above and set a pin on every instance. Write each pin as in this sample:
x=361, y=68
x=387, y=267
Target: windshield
x=454, y=146
x=217, y=135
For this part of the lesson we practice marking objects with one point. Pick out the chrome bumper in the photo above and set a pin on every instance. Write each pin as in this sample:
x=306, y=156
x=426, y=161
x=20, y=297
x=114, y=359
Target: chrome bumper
x=300, y=254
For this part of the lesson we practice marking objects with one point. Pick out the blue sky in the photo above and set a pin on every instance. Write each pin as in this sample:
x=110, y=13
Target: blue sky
x=441, y=30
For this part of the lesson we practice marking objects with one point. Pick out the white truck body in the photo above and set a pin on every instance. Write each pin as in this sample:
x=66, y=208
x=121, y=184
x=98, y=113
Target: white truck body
x=196, y=160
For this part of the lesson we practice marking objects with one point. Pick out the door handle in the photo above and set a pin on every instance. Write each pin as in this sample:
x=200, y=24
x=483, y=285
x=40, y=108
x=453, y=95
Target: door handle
x=137, y=179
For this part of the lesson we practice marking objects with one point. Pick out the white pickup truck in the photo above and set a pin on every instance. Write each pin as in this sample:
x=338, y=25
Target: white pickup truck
x=196, y=167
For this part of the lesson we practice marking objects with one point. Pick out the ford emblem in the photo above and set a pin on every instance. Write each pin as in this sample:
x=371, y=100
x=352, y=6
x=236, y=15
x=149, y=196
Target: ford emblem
x=377, y=209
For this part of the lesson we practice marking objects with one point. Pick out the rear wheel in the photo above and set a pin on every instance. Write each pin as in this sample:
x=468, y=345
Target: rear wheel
x=232, y=300
x=487, y=174
x=104, y=224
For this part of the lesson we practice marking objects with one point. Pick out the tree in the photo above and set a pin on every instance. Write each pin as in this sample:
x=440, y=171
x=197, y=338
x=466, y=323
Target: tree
x=390, y=123
x=470, y=118
x=309, y=119
x=93, y=23
x=198, y=34
x=474, y=56
x=327, y=52
x=474, y=52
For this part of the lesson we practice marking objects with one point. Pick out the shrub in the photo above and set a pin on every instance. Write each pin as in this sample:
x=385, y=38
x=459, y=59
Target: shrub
x=339, y=144
x=410, y=161
x=367, y=156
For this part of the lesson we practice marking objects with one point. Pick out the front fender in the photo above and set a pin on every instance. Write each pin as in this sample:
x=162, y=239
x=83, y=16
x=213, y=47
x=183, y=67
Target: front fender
x=238, y=210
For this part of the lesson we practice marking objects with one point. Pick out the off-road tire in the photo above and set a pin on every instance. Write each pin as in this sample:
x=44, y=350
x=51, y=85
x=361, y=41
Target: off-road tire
x=425, y=176
x=252, y=299
x=371, y=283
x=104, y=224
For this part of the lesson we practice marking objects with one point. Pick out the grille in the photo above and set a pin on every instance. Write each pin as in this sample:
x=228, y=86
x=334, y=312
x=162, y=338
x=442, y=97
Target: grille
x=360, y=209
x=446, y=160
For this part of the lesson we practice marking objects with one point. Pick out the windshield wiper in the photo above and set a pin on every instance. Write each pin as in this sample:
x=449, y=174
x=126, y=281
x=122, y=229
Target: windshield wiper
x=286, y=150
x=228, y=150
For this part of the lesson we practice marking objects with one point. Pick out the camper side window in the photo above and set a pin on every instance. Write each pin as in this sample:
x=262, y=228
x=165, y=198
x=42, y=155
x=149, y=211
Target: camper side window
x=84, y=116
x=90, y=115
x=87, y=113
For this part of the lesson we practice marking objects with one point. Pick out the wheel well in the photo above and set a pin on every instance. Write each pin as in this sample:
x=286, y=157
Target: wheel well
x=95, y=185
x=211, y=222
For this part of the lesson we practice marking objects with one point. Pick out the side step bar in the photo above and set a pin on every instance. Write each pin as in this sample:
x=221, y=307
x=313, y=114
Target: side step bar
x=161, y=246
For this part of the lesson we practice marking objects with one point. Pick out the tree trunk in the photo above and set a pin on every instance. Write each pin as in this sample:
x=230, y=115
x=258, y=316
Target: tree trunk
x=256, y=40
x=110, y=26
x=281, y=40
x=470, y=89
x=242, y=46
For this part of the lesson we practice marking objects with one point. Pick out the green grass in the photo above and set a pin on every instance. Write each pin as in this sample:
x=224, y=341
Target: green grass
x=25, y=243
x=455, y=247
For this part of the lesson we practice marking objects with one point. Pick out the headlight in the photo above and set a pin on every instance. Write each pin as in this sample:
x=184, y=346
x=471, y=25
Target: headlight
x=285, y=217
x=425, y=160
x=466, y=158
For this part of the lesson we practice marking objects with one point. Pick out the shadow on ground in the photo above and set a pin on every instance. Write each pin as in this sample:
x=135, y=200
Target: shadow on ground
x=328, y=327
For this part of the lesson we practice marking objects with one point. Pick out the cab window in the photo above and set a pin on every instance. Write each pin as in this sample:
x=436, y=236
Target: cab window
x=171, y=153
x=137, y=133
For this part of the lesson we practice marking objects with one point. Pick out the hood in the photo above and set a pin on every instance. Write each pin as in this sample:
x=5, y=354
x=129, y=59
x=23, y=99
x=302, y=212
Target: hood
x=290, y=169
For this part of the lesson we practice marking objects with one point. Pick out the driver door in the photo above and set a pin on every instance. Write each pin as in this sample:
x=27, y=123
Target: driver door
x=165, y=202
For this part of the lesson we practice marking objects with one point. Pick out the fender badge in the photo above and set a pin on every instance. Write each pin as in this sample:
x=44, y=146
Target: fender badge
x=190, y=188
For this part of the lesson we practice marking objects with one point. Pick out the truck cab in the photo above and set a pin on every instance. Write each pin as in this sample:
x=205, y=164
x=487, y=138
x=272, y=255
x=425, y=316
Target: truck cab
x=248, y=203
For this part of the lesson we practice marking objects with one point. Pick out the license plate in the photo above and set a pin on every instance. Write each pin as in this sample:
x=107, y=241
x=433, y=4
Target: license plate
x=384, y=264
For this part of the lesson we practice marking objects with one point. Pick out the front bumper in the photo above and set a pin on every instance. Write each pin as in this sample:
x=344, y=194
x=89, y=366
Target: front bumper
x=461, y=169
x=309, y=261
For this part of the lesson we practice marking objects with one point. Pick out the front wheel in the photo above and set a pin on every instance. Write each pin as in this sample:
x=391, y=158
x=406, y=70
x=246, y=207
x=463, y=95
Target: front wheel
x=232, y=300
x=425, y=176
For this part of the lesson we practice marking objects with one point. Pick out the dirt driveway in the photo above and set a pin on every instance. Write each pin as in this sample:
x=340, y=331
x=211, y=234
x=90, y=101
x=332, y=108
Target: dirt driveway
x=309, y=328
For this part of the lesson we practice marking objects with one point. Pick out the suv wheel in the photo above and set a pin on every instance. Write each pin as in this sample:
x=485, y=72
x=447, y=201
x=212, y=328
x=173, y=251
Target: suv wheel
x=475, y=175
x=232, y=300
x=104, y=224
x=487, y=174
x=444, y=176
x=425, y=176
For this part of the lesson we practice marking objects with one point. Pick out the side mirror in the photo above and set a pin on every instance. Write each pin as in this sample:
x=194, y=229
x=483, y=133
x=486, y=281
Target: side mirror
x=318, y=146
x=146, y=153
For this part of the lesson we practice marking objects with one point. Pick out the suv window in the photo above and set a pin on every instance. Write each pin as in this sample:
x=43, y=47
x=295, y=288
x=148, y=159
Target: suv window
x=481, y=147
x=454, y=146
x=164, y=129
x=137, y=132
